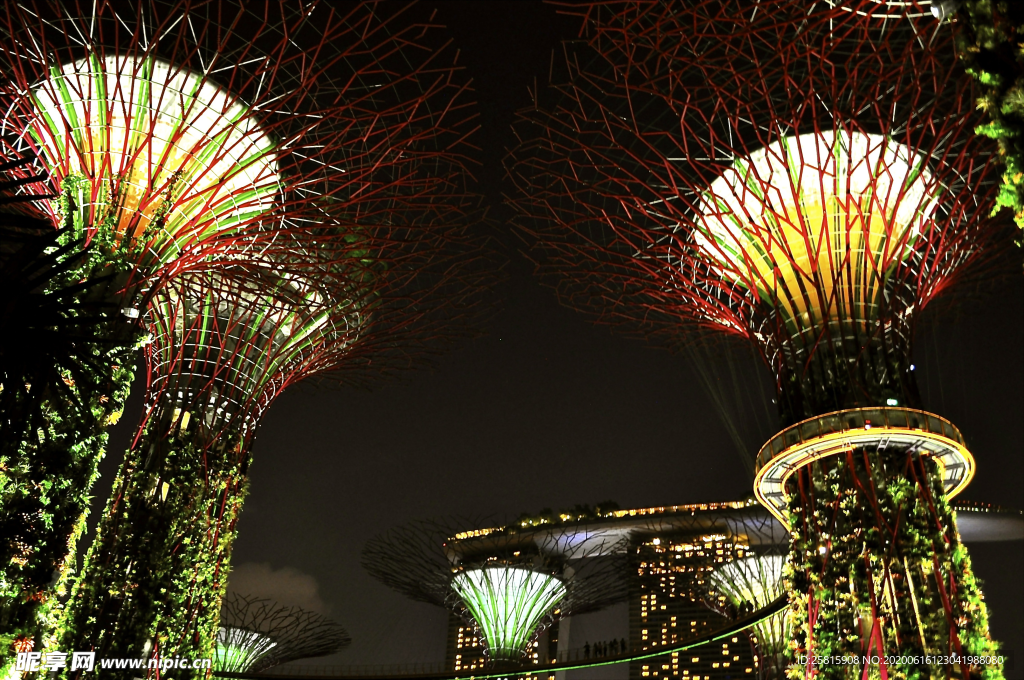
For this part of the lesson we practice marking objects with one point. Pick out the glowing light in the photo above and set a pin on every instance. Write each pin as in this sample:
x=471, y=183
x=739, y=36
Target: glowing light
x=816, y=222
x=473, y=534
x=157, y=144
x=238, y=650
x=835, y=433
x=757, y=581
x=508, y=604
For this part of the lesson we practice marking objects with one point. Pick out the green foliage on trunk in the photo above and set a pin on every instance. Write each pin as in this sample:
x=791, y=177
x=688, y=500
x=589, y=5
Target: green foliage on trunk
x=874, y=544
x=48, y=464
x=154, y=578
x=45, y=490
x=989, y=41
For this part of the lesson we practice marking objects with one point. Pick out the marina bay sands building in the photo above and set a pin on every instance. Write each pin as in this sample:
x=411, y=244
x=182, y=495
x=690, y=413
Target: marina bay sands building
x=672, y=600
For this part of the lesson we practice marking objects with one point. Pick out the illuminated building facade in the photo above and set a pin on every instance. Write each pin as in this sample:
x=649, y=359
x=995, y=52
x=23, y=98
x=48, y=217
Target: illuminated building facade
x=668, y=604
x=466, y=648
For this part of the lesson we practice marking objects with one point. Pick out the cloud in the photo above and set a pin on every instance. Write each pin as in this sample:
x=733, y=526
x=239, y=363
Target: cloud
x=287, y=586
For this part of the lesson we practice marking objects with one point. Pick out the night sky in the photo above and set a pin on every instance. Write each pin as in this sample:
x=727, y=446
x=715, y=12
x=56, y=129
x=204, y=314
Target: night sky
x=547, y=410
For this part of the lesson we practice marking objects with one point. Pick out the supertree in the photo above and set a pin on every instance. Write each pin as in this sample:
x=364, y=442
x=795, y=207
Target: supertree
x=224, y=350
x=396, y=286
x=510, y=581
x=256, y=634
x=155, y=169
x=804, y=177
x=226, y=146
x=750, y=583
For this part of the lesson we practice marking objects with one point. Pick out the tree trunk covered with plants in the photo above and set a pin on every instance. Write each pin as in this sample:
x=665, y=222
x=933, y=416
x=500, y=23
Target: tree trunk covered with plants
x=154, y=578
x=44, y=501
x=877, y=568
x=76, y=355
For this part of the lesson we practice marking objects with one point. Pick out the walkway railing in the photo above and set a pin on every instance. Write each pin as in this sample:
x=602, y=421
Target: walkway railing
x=857, y=419
x=297, y=672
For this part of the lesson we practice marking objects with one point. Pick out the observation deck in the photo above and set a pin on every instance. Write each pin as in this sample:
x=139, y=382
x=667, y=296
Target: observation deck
x=842, y=431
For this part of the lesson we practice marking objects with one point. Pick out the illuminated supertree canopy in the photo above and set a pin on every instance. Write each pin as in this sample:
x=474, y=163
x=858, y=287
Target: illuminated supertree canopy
x=804, y=177
x=282, y=188
x=508, y=603
x=751, y=583
x=511, y=582
x=256, y=634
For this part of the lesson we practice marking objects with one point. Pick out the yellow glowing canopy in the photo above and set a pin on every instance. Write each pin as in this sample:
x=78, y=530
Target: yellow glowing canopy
x=814, y=223
x=154, y=140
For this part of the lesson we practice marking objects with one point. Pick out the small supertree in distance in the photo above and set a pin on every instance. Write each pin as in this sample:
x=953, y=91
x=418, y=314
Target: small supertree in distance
x=511, y=581
x=171, y=137
x=804, y=177
x=256, y=634
x=750, y=582
x=384, y=274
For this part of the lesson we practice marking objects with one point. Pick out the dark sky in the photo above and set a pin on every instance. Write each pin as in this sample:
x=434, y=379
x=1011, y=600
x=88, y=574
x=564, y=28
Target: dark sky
x=549, y=411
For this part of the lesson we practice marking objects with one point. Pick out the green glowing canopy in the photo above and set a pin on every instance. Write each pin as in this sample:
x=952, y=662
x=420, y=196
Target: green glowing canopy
x=238, y=650
x=757, y=581
x=814, y=221
x=508, y=603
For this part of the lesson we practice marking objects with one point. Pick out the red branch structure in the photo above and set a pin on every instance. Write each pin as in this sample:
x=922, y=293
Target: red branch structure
x=804, y=177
